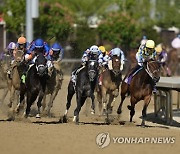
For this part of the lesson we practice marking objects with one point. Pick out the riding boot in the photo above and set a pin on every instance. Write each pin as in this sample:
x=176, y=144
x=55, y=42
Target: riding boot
x=154, y=89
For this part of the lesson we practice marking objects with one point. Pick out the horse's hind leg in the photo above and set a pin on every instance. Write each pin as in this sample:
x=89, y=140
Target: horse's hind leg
x=146, y=103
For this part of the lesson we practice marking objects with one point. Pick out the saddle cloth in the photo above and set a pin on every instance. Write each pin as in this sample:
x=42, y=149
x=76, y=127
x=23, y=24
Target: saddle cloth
x=129, y=78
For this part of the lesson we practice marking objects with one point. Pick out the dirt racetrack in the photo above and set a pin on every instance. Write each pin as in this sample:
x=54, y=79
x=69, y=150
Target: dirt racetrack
x=49, y=136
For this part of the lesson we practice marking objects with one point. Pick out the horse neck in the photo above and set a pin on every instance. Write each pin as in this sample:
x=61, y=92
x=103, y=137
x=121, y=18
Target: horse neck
x=144, y=77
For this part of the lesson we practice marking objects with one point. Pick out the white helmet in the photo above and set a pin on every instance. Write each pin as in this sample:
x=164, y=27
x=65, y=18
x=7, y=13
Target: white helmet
x=12, y=46
x=94, y=49
x=116, y=52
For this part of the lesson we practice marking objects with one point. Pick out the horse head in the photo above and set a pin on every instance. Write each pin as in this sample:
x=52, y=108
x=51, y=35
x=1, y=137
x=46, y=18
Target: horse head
x=41, y=66
x=116, y=63
x=92, y=69
x=19, y=56
x=152, y=67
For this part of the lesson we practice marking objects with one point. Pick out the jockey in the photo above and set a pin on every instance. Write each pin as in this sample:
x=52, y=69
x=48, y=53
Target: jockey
x=22, y=44
x=92, y=53
x=37, y=46
x=11, y=49
x=162, y=57
x=144, y=40
x=117, y=52
x=145, y=52
x=56, y=52
x=55, y=55
x=103, y=57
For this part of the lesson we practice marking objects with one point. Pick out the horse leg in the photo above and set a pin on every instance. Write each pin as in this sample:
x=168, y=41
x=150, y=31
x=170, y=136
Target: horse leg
x=80, y=103
x=5, y=92
x=12, y=95
x=93, y=104
x=52, y=98
x=104, y=99
x=124, y=89
x=99, y=99
x=41, y=95
x=132, y=108
x=70, y=94
x=22, y=94
x=44, y=103
x=31, y=97
x=146, y=103
x=109, y=105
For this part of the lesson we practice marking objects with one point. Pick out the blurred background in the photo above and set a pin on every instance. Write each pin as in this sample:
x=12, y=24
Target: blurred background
x=78, y=24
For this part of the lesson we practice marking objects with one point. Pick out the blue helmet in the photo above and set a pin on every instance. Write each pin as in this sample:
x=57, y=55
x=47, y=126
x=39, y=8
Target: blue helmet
x=144, y=37
x=56, y=47
x=39, y=43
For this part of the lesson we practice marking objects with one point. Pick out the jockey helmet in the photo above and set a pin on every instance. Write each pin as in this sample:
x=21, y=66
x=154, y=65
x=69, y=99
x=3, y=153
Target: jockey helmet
x=158, y=48
x=21, y=40
x=144, y=37
x=94, y=49
x=56, y=47
x=12, y=46
x=116, y=52
x=102, y=49
x=150, y=44
x=39, y=43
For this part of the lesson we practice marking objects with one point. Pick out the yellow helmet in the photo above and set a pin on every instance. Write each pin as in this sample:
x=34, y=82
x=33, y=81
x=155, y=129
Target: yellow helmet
x=158, y=48
x=21, y=40
x=102, y=49
x=150, y=44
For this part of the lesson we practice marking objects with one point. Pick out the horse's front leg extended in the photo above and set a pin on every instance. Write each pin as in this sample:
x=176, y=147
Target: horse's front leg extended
x=70, y=94
x=80, y=103
x=41, y=95
x=104, y=100
x=93, y=104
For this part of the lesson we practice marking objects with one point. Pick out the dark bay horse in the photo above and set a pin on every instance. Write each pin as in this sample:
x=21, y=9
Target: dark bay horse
x=35, y=84
x=111, y=80
x=140, y=87
x=85, y=86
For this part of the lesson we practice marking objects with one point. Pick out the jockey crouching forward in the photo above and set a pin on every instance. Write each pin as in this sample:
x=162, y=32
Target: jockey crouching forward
x=38, y=46
x=108, y=60
x=145, y=52
x=56, y=55
x=92, y=53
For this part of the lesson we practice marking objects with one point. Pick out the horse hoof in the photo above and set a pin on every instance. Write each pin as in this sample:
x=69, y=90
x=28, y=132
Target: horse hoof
x=107, y=121
x=104, y=112
x=119, y=111
x=38, y=116
x=64, y=119
x=92, y=112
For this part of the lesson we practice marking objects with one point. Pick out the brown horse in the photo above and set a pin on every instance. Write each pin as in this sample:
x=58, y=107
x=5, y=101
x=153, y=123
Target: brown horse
x=140, y=87
x=110, y=85
x=53, y=86
x=14, y=82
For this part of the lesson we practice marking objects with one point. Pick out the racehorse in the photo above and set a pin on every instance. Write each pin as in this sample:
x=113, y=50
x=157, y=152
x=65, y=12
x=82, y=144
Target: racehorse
x=14, y=79
x=35, y=84
x=53, y=86
x=110, y=85
x=85, y=86
x=140, y=87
